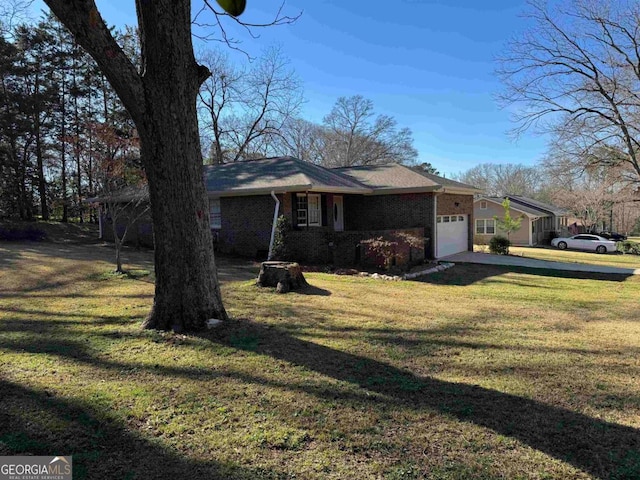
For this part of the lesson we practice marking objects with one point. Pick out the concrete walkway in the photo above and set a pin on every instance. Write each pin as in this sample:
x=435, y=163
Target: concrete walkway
x=489, y=259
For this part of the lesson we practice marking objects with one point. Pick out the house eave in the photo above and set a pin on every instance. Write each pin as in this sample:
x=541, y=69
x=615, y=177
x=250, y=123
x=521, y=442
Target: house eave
x=286, y=189
x=459, y=191
x=399, y=191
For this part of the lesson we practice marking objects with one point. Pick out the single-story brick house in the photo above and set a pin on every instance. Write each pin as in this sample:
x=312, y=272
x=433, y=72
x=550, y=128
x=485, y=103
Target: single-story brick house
x=332, y=210
x=540, y=221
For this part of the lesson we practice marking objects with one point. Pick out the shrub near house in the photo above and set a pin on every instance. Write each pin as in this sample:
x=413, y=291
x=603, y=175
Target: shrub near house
x=499, y=245
x=629, y=246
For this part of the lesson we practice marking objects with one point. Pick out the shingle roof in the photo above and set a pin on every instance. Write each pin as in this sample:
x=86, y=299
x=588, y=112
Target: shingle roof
x=517, y=206
x=289, y=174
x=277, y=173
x=446, y=182
x=528, y=205
x=395, y=177
x=536, y=204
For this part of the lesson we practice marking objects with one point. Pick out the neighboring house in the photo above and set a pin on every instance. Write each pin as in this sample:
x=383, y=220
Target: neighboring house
x=333, y=210
x=540, y=221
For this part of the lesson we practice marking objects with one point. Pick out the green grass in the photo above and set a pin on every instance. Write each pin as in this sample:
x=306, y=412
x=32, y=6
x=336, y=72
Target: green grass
x=475, y=373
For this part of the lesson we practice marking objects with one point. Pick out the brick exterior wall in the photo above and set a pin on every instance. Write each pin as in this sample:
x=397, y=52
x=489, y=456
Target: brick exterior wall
x=389, y=212
x=246, y=225
x=446, y=205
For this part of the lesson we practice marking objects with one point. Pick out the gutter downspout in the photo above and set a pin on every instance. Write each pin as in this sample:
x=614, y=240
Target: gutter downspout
x=273, y=226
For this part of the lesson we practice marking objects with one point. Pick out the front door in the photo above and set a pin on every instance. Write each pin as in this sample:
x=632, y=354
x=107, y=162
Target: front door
x=338, y=215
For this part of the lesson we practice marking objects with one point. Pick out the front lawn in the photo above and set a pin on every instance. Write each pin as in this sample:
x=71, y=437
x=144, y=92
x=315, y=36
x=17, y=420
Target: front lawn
x=575, y=256
x=475, y=373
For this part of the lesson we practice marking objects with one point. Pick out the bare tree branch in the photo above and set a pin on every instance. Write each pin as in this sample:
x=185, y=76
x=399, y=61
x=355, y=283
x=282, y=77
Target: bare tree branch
x=244, y=110
x=577, y=73
x=217, y=25
x=84, y=21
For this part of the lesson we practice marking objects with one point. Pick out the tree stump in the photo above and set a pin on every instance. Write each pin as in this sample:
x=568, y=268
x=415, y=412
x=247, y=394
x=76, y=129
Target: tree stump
x=284, y=276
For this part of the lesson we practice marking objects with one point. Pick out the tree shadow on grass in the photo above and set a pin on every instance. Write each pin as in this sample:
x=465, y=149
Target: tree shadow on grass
x=603, y=449
x=463, y=274
x=311, y=290
x=37, y=423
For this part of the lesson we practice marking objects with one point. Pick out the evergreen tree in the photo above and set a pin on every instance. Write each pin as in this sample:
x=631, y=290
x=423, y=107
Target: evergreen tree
x=39, y=98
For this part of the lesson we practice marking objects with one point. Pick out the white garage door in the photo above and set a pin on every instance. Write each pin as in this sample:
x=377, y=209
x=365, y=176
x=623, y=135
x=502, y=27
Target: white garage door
x=452, y=234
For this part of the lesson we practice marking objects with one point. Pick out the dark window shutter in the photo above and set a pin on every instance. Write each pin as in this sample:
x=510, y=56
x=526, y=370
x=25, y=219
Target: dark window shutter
x=294, y=211
x=323, y=206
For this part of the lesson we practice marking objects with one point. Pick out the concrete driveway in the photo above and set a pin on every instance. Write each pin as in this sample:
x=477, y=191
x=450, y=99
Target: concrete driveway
x=489, y=259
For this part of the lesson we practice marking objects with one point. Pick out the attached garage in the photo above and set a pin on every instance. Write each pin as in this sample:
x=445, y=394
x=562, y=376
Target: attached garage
x=452, y=234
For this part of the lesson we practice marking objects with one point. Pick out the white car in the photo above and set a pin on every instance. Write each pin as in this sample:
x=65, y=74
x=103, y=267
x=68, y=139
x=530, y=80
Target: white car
x=592, y=243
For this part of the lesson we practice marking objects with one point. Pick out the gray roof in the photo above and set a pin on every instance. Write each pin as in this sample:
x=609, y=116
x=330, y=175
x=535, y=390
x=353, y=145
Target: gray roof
x=521, y=208
x=537, y=204
x=289, y=174
x=393, y=177
x=526, y=205
x=276, y=174
x=446, y=182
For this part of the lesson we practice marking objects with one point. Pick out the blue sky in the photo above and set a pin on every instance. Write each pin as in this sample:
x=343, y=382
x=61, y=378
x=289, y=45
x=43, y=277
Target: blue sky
x=428, y=63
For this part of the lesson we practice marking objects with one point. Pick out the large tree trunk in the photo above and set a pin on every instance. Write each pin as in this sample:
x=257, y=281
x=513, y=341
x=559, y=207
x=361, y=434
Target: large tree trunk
x=162, y=103
x=187, y=291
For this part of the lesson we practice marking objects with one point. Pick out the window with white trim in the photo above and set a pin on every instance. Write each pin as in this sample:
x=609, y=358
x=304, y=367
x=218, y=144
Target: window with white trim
x=215, y=215
x=308, y=210
x=485, y=226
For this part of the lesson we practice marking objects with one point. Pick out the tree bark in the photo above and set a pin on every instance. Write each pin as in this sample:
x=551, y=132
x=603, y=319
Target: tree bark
x=37, y=131
x=187, y=289
x=187, y=292
x=76, y=121
x=162, y=103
